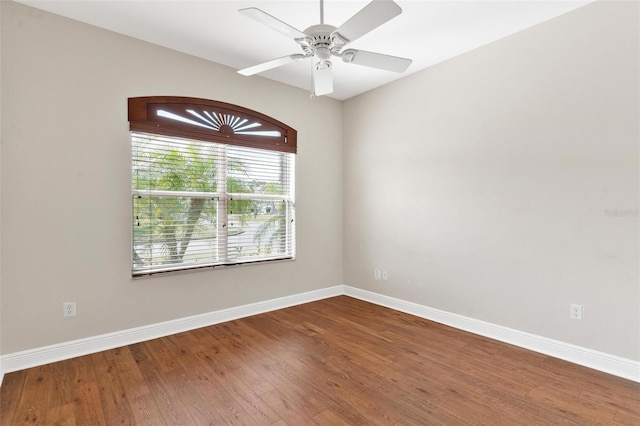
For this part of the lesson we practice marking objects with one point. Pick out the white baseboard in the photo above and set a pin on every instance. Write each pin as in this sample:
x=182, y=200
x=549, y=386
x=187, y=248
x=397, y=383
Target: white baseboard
x=612, y=364
x=607, y=363
x=45, y=355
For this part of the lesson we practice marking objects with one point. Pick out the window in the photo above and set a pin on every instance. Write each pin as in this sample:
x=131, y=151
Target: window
x=212, y=185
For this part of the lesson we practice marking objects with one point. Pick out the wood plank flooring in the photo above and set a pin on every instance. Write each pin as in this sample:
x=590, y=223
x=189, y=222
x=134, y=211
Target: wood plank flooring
x=332, y=362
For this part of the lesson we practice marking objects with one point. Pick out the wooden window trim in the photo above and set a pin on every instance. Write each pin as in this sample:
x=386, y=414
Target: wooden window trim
x=143, y=117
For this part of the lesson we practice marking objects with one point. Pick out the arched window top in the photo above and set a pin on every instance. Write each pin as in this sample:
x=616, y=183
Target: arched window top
x=209, y=120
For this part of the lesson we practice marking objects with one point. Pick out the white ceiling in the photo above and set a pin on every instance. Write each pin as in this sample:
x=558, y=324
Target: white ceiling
x=428, y=32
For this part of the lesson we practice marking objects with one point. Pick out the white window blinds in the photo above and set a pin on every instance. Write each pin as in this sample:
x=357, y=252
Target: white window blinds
x=201, y=204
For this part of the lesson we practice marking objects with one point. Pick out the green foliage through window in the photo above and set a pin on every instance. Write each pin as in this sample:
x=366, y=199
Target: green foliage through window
x=199, y=204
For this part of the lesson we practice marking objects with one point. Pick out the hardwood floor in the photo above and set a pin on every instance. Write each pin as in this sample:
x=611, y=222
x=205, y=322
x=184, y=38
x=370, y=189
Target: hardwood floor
x=332, y=362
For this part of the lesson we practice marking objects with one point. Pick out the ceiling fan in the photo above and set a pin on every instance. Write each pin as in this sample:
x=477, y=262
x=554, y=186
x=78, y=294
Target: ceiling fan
x=322, y=41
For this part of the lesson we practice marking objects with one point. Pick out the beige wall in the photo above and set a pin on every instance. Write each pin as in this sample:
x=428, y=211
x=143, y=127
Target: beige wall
x=481, y=184
x=485, y=185
x=1, y=371
x=66, y=182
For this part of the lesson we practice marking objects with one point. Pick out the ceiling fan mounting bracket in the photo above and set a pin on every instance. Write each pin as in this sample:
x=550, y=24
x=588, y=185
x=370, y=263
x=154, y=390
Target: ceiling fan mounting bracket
x=337, y=40
x=323, y=65
x=348, y=55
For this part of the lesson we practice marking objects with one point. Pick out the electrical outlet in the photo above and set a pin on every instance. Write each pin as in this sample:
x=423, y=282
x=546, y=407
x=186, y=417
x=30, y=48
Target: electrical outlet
x=385, y=274
x=576, y=312
x=377, y=274
x=69, y=309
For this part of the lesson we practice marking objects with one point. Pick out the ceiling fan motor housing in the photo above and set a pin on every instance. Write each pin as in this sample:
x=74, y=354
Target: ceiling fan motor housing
x=322, y=41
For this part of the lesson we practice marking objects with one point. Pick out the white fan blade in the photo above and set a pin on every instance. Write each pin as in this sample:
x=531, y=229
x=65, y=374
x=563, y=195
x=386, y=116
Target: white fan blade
x=376, y=60
x=274, y=63
x=368, y=18
x=322, y=78
x=272, y=22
